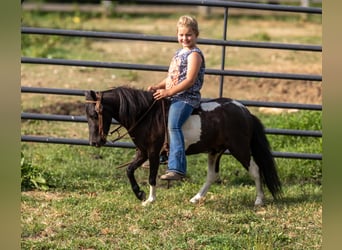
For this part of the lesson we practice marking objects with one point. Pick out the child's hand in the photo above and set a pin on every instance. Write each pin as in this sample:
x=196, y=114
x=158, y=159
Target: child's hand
x=161, y=93
x=151, y=88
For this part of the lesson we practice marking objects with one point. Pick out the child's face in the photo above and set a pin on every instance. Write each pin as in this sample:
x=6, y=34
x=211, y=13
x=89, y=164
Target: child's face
x=186, y=37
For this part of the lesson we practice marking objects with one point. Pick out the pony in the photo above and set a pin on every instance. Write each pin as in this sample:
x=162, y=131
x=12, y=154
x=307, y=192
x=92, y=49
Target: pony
x=216, y=126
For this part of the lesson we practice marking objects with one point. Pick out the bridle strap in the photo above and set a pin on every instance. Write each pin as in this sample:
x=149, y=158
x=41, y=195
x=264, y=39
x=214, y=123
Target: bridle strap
x=134, y=125
x=99, y=109
x=166, y=138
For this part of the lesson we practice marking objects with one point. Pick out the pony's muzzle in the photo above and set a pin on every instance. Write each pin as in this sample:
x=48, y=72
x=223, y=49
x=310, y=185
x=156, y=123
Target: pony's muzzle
x=97, y=143
x=94, y=143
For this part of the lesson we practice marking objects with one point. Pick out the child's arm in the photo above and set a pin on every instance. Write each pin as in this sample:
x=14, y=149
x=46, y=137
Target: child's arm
x=160, y=85
x=194, y=65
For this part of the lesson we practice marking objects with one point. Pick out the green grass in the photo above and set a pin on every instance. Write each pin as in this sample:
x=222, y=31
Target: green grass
x=87, y=203
x=90, y=205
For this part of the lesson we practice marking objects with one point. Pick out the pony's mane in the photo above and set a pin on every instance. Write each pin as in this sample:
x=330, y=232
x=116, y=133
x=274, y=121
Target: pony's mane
x=132, y=103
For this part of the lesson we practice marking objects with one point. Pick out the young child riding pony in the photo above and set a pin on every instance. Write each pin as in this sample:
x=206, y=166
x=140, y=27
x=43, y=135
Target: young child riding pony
x=182, y=86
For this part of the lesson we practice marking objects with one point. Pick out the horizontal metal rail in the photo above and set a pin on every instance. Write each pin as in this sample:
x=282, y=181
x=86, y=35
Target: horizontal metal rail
x=239, y=5
x=72, y=118
x=131, y=66
x=54, y=140
x=75, y=92
x=141, y=37
x=52, y=91
x=155, y=38
x=58, y=118
x=45, y=139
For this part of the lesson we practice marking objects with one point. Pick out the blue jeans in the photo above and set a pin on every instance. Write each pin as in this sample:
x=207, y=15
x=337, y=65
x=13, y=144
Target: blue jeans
x=179, y=112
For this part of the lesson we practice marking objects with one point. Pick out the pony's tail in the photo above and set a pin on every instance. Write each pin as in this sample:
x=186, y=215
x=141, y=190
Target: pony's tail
x=262, y=156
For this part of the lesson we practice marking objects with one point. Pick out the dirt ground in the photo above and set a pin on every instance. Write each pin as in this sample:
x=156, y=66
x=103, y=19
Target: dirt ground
x=273, y=90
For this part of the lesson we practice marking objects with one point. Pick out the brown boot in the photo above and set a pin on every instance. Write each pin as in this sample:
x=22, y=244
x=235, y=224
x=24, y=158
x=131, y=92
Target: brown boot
x=172, y=176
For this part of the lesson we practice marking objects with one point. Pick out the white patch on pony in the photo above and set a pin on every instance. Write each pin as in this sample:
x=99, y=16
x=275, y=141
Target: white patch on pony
x=192, y=130
x=238, y=104
x=254, y=173
x=211, y=178
x=209, y=106
x=152, y=196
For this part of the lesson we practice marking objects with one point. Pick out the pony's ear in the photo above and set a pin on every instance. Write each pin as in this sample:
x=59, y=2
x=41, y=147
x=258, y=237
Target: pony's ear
x=90, y=95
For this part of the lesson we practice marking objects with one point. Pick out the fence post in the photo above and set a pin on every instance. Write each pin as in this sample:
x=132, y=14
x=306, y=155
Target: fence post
x=305, y=3
x=107, y=7
x=204, y=11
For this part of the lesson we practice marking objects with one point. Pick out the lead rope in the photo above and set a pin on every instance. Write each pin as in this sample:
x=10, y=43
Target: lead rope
x=166, y=137
x=166, y=134
x=134, y=125
x=99, y=109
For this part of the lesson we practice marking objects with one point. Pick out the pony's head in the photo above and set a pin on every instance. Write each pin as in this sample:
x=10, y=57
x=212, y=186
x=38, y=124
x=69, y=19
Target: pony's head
x=98, y=117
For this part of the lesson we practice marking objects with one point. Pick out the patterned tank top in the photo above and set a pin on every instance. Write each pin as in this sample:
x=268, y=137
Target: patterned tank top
x=177, y=73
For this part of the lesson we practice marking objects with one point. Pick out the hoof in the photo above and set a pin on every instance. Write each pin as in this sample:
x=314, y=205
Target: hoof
x=147, y=202
x=258, y=202
x=195, y=199
x=141, y=196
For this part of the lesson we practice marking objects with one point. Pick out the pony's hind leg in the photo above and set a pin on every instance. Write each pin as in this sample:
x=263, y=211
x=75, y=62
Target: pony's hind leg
x=254, y=173
x=212, y=175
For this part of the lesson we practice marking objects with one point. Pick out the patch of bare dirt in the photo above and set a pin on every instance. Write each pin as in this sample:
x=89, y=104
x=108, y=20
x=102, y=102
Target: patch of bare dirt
x=275, y=90
x=60, y=108
x=272, y=90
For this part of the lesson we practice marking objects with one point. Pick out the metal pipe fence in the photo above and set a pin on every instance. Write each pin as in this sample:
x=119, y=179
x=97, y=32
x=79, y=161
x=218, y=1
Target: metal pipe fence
x=222, y=72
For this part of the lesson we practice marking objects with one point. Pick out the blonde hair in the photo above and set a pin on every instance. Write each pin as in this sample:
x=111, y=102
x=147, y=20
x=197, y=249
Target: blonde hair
x=188, y=22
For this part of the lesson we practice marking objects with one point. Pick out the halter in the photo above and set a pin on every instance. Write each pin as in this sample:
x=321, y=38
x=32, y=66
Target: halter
x=99, y=109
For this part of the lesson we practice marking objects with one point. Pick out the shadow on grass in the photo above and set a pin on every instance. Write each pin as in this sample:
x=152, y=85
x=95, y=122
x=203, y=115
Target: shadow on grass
x=290, y=200
x=233, y=198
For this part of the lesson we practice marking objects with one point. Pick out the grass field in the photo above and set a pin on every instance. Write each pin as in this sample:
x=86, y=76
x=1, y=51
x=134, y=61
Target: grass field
x=84, y=202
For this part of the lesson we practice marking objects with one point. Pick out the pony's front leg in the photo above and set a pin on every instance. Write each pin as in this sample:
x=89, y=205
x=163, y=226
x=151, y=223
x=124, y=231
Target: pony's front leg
x=154, y=166
x=152, y=197
x=212, y=174
x=140, y=194
x=139, y=159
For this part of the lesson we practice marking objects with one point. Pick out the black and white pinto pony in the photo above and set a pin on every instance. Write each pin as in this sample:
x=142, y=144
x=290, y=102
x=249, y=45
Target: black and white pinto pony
x=218, y=125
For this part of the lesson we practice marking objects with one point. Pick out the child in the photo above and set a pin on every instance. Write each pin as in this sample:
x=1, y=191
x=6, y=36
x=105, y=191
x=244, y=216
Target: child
x=182, y=85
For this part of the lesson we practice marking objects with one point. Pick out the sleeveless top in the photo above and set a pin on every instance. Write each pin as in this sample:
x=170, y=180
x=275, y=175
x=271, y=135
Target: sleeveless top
x=177, y=73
